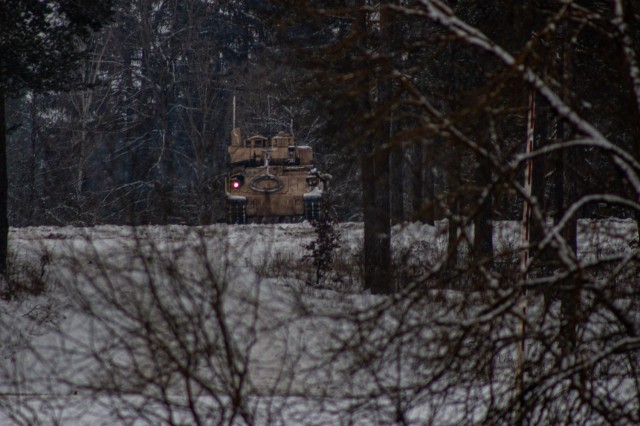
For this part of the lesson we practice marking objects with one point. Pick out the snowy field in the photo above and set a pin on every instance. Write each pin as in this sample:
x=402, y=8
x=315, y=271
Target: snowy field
x=219, y=325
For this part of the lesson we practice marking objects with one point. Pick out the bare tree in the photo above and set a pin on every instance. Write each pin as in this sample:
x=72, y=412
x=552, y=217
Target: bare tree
x=48, y=51
x=216, y=324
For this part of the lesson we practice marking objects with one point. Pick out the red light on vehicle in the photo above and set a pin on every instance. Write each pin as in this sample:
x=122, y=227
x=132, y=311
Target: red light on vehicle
x=236, y=182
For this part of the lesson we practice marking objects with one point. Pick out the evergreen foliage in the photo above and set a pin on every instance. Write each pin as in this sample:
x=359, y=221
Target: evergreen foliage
x=41, y=43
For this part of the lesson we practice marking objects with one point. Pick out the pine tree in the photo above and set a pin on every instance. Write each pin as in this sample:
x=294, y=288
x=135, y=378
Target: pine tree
x=40, y=43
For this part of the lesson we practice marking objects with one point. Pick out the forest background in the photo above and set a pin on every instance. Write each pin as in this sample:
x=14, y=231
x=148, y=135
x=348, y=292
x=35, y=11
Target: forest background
x=145, y=140
x=468, y=116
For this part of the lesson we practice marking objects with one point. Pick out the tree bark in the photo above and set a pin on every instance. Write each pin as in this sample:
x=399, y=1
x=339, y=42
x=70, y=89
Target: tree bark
x=422, y=185
x=378, y=246
x=417, y=173
x=32, y=197
x=397, y=183
x=565, y=184
x=429, y=202
x=4, y=189
x=375, y=185
x=483, y=228
x=390, y=44
x=541, y=139
x=454, y=209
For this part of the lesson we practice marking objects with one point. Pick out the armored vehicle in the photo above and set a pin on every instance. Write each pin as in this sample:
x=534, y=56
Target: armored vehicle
x=272, y=180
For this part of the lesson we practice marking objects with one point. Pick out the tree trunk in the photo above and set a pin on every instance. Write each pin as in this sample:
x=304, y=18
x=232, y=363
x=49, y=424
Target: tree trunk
x=390, y=44
x=429, y=202
x=397, y=183
x=33, y=164
x=4, y=189
x=454, y=209
x=541, y=139
x=483, y=228
x=375, y=185
x=417, y=177
x=566, y=185
x=422, y=185
x=378, y=226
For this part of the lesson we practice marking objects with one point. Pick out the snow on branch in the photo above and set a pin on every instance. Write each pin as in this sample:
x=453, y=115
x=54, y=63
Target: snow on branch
x=439, y=12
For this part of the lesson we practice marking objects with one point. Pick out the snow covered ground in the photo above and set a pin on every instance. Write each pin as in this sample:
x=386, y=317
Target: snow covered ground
x=218, y=325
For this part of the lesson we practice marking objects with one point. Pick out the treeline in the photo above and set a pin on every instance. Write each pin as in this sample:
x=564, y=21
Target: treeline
x=420, y=110
x=144, y=139
x=446, y=106
x=433, y=99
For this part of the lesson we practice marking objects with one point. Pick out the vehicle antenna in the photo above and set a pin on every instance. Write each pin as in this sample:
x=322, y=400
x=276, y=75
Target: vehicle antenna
x=234, y=113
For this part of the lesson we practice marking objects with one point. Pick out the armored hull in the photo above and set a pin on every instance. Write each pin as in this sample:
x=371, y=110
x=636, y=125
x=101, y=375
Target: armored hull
x=272, y=179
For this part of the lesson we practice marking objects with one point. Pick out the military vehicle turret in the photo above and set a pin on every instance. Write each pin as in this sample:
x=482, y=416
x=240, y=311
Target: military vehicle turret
x=272, y=179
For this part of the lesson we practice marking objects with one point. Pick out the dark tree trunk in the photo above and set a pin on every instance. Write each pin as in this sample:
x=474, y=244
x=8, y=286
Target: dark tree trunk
x=633, y=24
x=455, y=204
x=417, y=177
x=397, y=184
x=390, y=44
x=422, y=181
x=4, y=189
x=565, y=184
x=32, y=208
x=429, y=189
x=375, y=185
x=558, y=181
x=568, y=183
x=541, y=139
x=378, y=225
x=483, y=228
